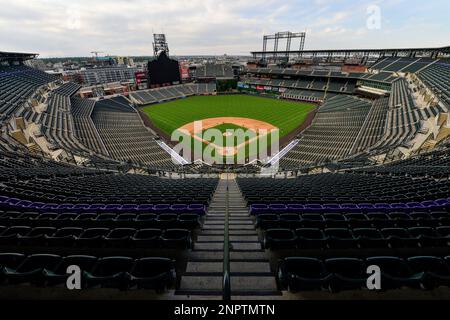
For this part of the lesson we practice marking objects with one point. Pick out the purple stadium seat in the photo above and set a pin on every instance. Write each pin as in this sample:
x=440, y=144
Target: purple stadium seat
x=366, y=206
x=197, y=208
x=295, y=207
x=256, y=209
x=382, y=206
x=313, y=208
x=97, y=206
x=331, y=206
x=24, y=204
x=429, y=204
x=178, y=208
x=50, y=206
x=65, y=206
x=414, y=205
x=81, y=207
x=277, y=208
x=12, y=201
x=399, y=206
x=37, y=205
x=441, y=202
x=113, y=207
x=129, y=207
x=145, y=208
x=161, y=208
x=350, y=207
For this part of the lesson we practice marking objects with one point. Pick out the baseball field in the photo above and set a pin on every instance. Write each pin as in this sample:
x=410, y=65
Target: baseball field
x=228, y=112
x=285, y=115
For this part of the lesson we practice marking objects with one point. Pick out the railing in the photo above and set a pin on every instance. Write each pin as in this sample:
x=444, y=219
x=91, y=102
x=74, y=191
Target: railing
x=226, y=248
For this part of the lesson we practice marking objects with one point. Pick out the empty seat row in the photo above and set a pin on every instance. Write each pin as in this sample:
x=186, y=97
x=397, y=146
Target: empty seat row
x=354, y=220
x=332, y=134
x=105, y=220
x=343, y=238
x=157, y=95
x=423, y=207
x=95, y=237
x=337, y=274
x=330, y=192
x=84, y=128
x=107, y=272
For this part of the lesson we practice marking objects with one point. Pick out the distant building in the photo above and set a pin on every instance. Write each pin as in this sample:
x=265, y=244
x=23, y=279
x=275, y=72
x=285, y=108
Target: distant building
x=124, y=61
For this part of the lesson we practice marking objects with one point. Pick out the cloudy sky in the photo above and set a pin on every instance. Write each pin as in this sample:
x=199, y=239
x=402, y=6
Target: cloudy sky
x=125, y=27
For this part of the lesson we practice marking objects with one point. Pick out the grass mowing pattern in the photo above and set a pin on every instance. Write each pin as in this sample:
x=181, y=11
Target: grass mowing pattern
x=285, y=115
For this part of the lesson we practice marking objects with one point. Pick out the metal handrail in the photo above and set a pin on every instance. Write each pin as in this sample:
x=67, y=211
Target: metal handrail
x=226, y=249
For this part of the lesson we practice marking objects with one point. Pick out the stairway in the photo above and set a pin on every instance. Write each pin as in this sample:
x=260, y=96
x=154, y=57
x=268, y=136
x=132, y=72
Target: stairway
x=249, y=265
x=250, y=272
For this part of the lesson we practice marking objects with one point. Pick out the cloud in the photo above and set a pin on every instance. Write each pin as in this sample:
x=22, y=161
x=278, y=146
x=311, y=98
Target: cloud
x=125, y=27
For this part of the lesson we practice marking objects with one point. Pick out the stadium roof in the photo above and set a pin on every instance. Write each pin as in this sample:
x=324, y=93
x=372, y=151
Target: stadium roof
x=10, y=56
x=432, y=52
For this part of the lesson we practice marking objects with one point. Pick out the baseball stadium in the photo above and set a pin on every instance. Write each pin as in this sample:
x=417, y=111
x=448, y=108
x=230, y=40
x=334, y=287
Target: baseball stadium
x=344, y=168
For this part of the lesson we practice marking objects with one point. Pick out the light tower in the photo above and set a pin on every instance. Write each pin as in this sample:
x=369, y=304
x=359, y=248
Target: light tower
x=160, y=44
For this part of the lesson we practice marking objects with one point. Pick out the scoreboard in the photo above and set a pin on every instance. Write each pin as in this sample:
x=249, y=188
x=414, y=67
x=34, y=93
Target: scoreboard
x=141, y=80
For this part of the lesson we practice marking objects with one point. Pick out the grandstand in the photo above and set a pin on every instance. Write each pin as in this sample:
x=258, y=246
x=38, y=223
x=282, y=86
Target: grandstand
x=89, y=182
x=124, y=135
x=158, y=95
x=214, y=71
x=332, y=133
x=436, y=77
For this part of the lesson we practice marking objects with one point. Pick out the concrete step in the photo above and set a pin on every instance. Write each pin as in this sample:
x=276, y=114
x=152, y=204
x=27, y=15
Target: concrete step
x=244, y=238
x=206, y=256
x=242, y=227
x=208, y=246
x=213, y=222
x=253, y=284
x=230, y=214
x=212, y=233
x=209, y=238
x=245, y=246
x=250, y=267
x=242, y=232
x=206, y=283
x=248, y=256
x=204, y=267
x=213, y=227
x=222, y=217
x=247, y=222
x=230, y=208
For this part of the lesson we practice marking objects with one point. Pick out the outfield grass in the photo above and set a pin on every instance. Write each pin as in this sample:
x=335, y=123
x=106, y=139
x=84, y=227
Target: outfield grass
x=285, y=115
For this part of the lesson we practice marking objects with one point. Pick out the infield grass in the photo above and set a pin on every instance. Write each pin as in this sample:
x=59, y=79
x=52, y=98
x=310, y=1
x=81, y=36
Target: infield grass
x=285, y=115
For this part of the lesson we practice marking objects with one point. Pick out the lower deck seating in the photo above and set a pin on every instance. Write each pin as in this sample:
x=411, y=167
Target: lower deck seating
x=358, y=238
x=348, y=273
x=374, y=127
x=403, y=119
x=436, y=77
x=433, y=164
x=172, y=92
x=119, y=272
x=182, y=219
x=34, y=182
x=401, y=182
x=84, y=128
x=97, y=237
x=124, y=135
x=331, y=135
